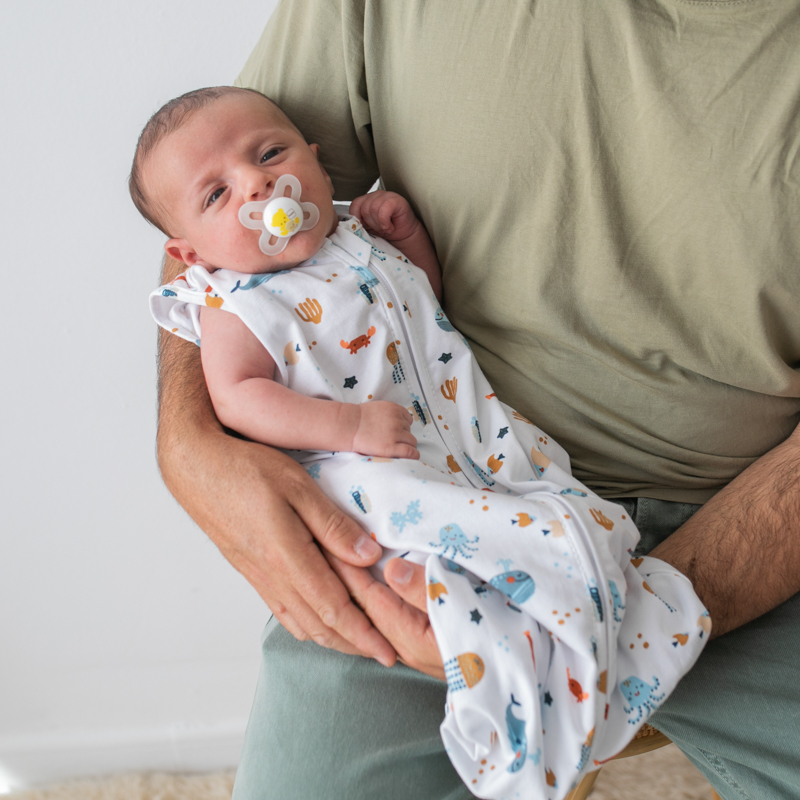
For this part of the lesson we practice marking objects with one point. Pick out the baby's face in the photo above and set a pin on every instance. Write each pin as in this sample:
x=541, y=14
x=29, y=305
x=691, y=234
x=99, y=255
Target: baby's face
x=228, y=153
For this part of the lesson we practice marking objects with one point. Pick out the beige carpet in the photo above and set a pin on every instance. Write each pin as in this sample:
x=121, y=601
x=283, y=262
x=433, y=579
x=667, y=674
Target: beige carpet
x=665, y=774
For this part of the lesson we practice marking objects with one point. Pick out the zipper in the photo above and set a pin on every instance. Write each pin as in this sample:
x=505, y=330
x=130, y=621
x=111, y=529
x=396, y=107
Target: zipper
x=386, y=285
x=587, y=555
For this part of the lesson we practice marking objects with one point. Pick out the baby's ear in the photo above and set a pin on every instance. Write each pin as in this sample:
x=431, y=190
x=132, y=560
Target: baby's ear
x=180, y=250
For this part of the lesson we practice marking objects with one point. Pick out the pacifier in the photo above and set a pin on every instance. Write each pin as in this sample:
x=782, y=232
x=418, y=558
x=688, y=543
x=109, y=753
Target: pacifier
x=281, y=216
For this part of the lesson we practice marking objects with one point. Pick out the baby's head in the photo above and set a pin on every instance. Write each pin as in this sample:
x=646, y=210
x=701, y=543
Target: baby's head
x=205, y=154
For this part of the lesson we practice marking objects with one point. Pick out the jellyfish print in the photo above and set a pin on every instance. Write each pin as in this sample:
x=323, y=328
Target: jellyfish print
x=464, y=671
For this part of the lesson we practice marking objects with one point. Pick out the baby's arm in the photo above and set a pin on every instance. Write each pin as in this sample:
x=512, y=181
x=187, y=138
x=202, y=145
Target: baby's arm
x=389, y=216
x=239, y=374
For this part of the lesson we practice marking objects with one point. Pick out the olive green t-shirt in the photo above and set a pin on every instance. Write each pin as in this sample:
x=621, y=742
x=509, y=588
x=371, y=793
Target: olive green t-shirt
x=613, y=191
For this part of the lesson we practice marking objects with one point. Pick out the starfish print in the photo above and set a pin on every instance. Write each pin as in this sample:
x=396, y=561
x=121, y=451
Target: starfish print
x=502, y=433
x=548, y=699
x=476, y=616
x=444, y=357
x=349, y=383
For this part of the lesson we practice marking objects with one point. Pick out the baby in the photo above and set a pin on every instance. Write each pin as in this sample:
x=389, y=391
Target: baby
x=322, y=339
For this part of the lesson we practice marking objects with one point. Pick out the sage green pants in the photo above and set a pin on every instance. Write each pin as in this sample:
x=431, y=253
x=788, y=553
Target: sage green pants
x=325, y=726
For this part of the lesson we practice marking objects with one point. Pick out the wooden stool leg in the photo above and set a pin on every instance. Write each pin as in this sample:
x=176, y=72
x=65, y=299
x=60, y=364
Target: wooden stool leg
x=581, y=791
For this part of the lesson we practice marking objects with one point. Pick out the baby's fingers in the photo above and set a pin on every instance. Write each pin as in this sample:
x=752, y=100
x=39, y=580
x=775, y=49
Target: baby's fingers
x=386, y=209
x=357, y=205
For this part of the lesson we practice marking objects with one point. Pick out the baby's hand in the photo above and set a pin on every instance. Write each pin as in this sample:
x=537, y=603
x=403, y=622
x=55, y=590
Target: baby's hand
x=384, y=429
x=385, y=214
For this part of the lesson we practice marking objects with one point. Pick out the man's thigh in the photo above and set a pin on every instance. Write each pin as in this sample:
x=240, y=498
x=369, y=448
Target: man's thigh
x=326, y=725
x=737, y=713
x=334, y=726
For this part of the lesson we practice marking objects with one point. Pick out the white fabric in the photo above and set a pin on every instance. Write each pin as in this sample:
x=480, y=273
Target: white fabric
x=557, y=646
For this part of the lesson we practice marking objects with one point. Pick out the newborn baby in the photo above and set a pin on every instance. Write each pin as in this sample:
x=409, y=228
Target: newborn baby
x=320, y=338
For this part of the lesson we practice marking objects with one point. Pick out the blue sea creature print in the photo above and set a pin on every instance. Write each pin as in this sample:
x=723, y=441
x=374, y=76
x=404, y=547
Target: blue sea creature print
x=516, y=737
x=257, y=280
x=616, y=599
x=453, y=567
x=479, y=472
x=464, y=671
x=313, y=471
x=398, y=376
x=379, y=254
x=418, y=409
x=368, y=280
x=360, y=498
x=367, y=275
x=576, y=492
x=364, y=289
x=594, y=593
x=442, y=321
x=168, y=293
x=586, y=750
x=411, y=516
x=515, y=584
x=452, y=537
x=476, y=429
x=641, y=696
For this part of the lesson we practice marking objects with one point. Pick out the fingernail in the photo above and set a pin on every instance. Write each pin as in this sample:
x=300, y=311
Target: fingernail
x=402, y=572
x=366, y=547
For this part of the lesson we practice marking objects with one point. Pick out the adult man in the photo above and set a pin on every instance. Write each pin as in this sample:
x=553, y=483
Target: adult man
x=655, y=227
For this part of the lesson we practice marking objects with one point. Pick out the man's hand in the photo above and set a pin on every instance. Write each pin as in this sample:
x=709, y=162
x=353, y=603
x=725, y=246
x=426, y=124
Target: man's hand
x=399, y=611
x=384, y=430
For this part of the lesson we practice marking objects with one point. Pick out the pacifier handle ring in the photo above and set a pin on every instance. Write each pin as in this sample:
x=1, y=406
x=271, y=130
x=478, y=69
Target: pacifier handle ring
x=268, y=227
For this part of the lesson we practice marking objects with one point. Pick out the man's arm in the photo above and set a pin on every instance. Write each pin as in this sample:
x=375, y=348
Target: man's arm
x=741, y=550
x=261, y=509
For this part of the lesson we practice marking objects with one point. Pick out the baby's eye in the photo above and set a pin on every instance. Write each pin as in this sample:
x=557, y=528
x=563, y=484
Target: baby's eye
x=270, y=154
x=215, y=196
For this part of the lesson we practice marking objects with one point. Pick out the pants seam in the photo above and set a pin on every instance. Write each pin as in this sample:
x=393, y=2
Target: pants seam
x=715, y=762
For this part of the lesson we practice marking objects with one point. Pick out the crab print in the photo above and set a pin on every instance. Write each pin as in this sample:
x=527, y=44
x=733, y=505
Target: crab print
x=359, y=341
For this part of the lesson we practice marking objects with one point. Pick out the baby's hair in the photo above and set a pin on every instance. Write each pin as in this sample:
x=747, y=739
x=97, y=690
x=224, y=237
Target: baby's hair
x=169, y=118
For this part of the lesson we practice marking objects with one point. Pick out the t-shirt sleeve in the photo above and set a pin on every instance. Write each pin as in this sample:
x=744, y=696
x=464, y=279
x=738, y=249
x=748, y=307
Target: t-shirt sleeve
x=310, y=61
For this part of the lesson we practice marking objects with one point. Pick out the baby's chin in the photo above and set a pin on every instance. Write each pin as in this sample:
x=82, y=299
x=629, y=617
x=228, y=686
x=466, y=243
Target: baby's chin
x=300, y=248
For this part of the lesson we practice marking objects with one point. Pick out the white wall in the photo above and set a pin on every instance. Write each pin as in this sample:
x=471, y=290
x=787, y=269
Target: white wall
x=126, y=640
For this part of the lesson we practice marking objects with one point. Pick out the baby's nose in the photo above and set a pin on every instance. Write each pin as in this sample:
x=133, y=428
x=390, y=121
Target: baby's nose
x=257, y=185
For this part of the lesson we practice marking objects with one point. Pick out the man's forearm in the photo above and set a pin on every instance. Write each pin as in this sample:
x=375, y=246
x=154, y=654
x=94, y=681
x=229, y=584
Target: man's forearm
x=184, y=406
x=741, y=550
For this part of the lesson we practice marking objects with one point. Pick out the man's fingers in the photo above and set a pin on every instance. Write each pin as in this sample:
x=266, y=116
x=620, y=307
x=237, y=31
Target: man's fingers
x=407, y=580
x=288, y=622
x=328, y=638
x=404, y=624
x=334, y=529
x=332, y=615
